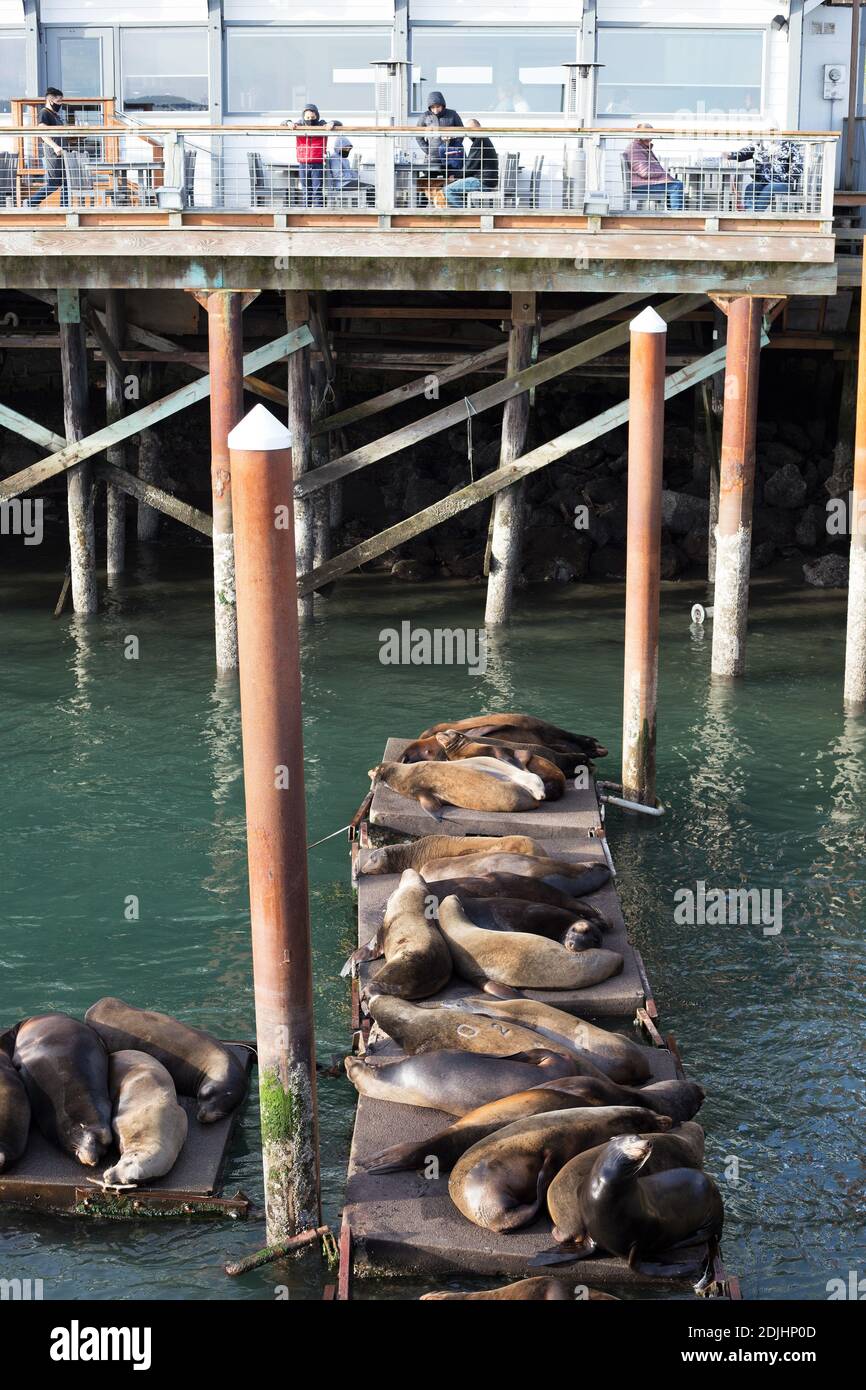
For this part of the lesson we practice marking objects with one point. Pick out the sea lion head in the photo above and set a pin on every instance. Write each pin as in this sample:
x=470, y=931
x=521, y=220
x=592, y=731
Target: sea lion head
x=378, y=862
x=423, y=750
x=90, y=1143
x=215, y=1101
x=629, y=1153
x=451, y=741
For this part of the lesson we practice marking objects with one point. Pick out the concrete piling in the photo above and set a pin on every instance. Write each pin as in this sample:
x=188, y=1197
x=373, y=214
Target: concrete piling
x=115, y=497
x=73, y=361
x=506, y=541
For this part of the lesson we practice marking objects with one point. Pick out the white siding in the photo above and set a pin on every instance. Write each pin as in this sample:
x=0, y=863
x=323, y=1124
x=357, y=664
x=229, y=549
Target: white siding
x=11, y=12
x=748, y=12
x=497, y=11
x=106, y=12
x=311, y=11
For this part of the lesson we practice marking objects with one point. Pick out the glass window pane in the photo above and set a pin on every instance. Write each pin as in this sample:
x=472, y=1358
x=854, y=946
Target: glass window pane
x=80, y=66
x=13, y=75
x=491, y=69
x=667, y=71
x=278, y=70
x=164, y=70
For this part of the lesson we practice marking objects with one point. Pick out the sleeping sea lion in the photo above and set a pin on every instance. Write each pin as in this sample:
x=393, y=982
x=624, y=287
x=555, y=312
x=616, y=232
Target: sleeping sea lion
x=417, y=958
x=199, y=1065
x=517, y=959
x=431, y=1028
x=64, y=1066
x=617, y=1057
x=475, y=788
x=530, y=890
x=521, y=726
x=578, y=880
x=501, y=1182
x=14, y=1114
x=458, y=748
x=638, y=1217
x=540, y=1290
x=452, y=1081
x=149, y=1124
x=422, y=750
x=556, y=923
x=411, y=854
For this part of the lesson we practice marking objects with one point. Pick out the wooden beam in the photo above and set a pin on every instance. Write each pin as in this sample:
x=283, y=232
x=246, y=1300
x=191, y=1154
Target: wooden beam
x=28, y=429
x=156, y=497
x=457, y=502
x=484, y=399
x=73, y=454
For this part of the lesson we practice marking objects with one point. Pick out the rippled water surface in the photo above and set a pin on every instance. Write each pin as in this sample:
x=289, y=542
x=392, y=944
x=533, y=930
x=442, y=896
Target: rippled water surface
x=123, y=777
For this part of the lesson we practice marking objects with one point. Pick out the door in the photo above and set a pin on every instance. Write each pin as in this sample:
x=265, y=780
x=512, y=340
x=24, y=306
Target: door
x=80, y=61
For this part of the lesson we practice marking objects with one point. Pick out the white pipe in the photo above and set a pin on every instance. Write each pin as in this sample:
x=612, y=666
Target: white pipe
x=634, y=805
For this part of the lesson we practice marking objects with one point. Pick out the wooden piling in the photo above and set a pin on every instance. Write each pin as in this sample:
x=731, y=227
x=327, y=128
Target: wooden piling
x=506, y=542
x=736, y=487
x=855, y=640
x=270, y=689
x=149, y=449
x=225, y=352
x=115, y=497
x=320, y=452
x=643, y=555
x=73, y=361
x=300, y=428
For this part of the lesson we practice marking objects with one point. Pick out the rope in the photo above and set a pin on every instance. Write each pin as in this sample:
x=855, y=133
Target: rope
x=341, y=831
x=470, y=411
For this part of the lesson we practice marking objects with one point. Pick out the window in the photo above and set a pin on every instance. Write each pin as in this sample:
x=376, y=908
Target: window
x=668, y=72
x=164, y=69
x=281, y=69
x=13, y=72
x=491, y=69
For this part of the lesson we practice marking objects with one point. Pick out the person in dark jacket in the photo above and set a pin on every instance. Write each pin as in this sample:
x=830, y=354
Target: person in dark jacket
x=312, y=153
x=441, y=151
x=480, y=170
x=52, y=148
x=778, y=166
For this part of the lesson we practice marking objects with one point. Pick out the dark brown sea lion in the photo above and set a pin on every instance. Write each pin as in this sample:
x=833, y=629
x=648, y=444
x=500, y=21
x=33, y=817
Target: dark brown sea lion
x=639, y=1217
x=198, y=1063
x=452, y=1081
x=457, y=747
x=517, y=959
x=578, y=880
x=417, y=957
x=540, y=1290
x=523, y=726
x=418, y=1029
x=530, y=890
x=411, y=854
x=682, y=1147
x=556, y=923
x=501, y=1182
x=434, y=785
x=14, y=1114
x=64, y=1066
x=423, y=750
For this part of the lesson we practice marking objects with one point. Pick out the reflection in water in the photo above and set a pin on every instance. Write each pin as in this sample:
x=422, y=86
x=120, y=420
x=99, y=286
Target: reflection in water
x=222, y=735
x=497, y=686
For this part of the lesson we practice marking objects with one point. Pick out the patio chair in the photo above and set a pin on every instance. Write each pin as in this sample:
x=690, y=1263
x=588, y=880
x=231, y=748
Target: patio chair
x=535, y=181
x=8, y=174
x=189, y=158
x=637, y=199
x=262, y=191
x=78, y=177
x=505, y=193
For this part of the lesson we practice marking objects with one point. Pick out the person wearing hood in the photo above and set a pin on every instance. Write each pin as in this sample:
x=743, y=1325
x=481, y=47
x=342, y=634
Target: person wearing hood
x=312, y=153
x=441, y=151
x=342, y=178
x=480, y=172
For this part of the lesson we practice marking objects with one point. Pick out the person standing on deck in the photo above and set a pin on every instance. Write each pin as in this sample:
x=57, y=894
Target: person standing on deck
x=52, y=149
x=480, y=171
x=648, y=178
x=778, y=166
x=441, y=151
x=312, y=153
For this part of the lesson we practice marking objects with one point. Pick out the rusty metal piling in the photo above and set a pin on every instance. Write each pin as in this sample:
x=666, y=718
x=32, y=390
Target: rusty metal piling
x=225, y=352
x=855, y=642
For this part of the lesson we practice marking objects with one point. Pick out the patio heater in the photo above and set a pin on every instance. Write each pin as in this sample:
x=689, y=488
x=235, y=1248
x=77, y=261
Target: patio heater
x=391, y=77
x=583, y=160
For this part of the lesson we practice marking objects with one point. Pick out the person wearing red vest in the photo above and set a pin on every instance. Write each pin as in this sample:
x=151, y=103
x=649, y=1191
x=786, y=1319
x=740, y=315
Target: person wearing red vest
x=312, y=151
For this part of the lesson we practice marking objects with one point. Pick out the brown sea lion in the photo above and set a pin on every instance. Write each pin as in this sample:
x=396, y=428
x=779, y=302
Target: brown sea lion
x=578, y=880
x=530, y=890
x=422, y=750
x=639, y=1217
x=617, y=1057
x=14, y=1114
x=501, y=1182
x=411, y=854
x=199, y=1065
x=149, y=1124
x=682, y=1147
x=417, y=957
x=434, y=785
x=452, y=1081
x=457, y=748
x=64, y=1066
x=523, y=726
x=431, y=1028
x=517, y=959
x=540, y=1290
x=556, y=923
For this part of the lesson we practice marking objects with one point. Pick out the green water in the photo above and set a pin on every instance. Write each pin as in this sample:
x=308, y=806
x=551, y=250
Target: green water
x=122, y=777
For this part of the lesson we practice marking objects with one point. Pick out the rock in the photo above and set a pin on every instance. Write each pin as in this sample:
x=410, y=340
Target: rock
x=607, y=563
x=767, y=430
x=556, y=543
x=416, y=570
x=770, y=524
x=827, y=572
x=696, y=544
x=762, y=555
x=778, y=455
x=682, y=513
x=786, y=488
x=811, y=528
x=795, y=436
x=669, y=566
x=619, y=464
x=600, y=490
x=555, y=570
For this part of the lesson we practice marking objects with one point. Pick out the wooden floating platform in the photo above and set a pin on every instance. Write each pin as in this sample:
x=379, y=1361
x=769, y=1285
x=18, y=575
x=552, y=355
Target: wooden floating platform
x=46, y=1179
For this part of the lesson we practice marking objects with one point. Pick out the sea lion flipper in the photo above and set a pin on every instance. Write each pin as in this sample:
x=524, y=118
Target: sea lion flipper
x=371, y=951
x=500, y=991
x=565, y=1254
x=522, y=756
x=431, y=804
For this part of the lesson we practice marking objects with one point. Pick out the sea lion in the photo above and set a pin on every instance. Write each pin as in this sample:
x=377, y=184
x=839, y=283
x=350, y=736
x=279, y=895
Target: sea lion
x=199, y=1065
x=522, y=726
x=578, y=880
x=682, y=1147
x=411, y=854
x=433, y=785
x=419, y=1029
x=501, y=1182
x=540, y=1290
x=64, y=1066
x=617, y=1057
x=517, y=959
x=556, y=923
x=637, y=1217
x=417, y=958
x=452, y=1081
x=148, y=1123
x=422, y=750
x=530, y=890
x=458, y=748
x=14, y=1114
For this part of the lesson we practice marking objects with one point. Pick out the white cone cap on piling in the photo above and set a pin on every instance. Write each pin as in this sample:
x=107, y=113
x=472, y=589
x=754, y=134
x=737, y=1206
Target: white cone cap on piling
x=260, y=432
x=648, y=322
